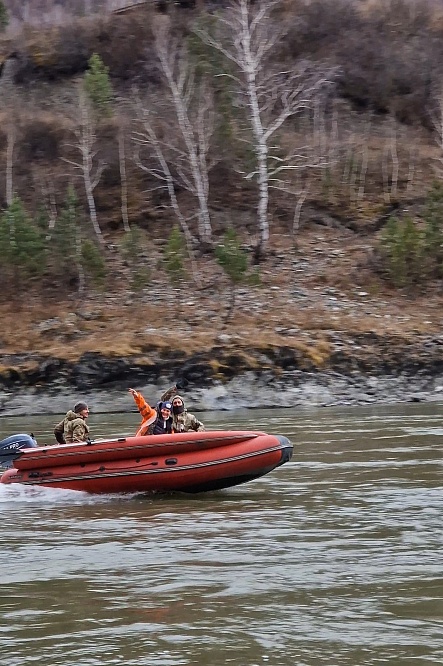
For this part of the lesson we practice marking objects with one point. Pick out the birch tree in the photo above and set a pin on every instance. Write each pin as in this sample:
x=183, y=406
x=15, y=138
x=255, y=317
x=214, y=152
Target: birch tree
x=151, y=156
x=88, y=166
x=247, y=36
x=182, y=152
x=10, y=124
x=436, y=114
x=10, y=146
x=121, y=138
x=390, y=165
x=47, y=188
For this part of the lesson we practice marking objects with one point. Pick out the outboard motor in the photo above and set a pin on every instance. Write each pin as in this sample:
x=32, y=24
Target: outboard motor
x=11, y=446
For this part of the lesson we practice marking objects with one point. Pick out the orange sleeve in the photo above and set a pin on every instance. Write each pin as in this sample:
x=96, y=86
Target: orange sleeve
x=145, y=410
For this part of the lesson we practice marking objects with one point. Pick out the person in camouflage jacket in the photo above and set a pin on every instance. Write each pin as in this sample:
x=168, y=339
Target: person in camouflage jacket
x=73, y=428
x=182, y=420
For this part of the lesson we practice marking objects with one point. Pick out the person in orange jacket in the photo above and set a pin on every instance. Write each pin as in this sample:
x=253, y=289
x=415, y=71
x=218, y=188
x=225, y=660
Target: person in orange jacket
x=154, y=421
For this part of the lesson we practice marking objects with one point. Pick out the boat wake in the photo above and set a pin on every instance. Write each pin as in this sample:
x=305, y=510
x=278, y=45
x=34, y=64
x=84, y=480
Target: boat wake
x=20, y=494
x=14, y=495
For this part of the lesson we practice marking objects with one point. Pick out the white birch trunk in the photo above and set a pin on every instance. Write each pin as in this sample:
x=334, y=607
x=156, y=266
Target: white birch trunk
x=91, y=173
x=297, y=210
x=89, y=190
x=123, y=180
x=149, y=138
x=194, y=137
x=80, y=269
x=247, y=36
x=261, y=146
x=10, y=144
x=48, y=193
x=395, y=164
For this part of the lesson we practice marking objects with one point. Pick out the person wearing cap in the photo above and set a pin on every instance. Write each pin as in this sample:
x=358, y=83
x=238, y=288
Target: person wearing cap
x=73, y=427
x=163, y=424
x=154, y=421
x=182, y=420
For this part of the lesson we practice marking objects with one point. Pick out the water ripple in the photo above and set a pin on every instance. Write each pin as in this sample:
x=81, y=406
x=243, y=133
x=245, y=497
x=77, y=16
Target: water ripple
x=334, y=558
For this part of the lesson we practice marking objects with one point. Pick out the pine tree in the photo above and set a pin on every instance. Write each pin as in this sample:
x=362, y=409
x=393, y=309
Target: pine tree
x=4, y=17
x=401, y=246
x=22, y=248
x=98, y=86
x=433, y=232
x=175, y=251
x=234, y=262
x=93, y=263
x=62, y=253
x=133, y=250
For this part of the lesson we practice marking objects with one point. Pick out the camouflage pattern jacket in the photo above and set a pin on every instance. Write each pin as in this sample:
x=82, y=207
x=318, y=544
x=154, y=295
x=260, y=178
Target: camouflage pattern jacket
x=72, y=429
x=184, y=421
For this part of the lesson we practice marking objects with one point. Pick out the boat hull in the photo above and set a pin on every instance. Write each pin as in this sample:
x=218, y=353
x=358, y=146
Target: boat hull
x=186, y=462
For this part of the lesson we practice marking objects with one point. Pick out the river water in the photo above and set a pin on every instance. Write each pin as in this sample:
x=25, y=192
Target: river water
x=333, y=559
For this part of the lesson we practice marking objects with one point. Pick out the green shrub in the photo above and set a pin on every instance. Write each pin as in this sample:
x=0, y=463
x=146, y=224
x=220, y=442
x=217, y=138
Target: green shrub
x=134, y=249
x=433, y=232
x=234, y=262
x=231, y=257
x=174, y=255
x=412, y=251
x=93, y=264
x=402, y=251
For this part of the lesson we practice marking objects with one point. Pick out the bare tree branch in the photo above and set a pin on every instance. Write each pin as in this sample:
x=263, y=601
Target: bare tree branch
x=247, y=36
x=194, y=113
x=91, y=172
x=148, y=137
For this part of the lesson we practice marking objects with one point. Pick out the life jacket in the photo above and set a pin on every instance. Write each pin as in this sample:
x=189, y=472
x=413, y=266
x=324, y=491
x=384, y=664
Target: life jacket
x=161, y=426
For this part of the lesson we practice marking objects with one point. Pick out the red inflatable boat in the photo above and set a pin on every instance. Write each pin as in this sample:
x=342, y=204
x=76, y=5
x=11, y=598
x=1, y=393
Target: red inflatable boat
x=189, y=462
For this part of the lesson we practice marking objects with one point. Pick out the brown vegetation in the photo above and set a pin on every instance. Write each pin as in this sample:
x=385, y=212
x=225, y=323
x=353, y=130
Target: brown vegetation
x=311, y=298
x=374, y=134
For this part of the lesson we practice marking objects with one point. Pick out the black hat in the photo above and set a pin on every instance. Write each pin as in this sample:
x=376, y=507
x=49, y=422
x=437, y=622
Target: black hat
x=165, y=405
x=79, y=407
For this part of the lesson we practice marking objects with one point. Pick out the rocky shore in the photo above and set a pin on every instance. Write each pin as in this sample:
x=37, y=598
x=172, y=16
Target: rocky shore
x=316, y=332
x=364, y=369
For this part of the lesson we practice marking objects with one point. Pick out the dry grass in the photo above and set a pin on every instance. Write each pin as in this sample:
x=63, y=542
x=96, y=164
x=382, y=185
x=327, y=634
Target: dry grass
x=268, y=318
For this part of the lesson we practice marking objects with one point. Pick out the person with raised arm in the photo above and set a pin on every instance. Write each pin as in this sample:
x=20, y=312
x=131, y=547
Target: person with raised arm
x=182, y=420
x=154, y=421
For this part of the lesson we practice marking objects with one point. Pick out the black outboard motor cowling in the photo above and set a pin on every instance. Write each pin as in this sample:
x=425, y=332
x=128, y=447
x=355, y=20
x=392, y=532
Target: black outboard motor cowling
x=11, y=446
